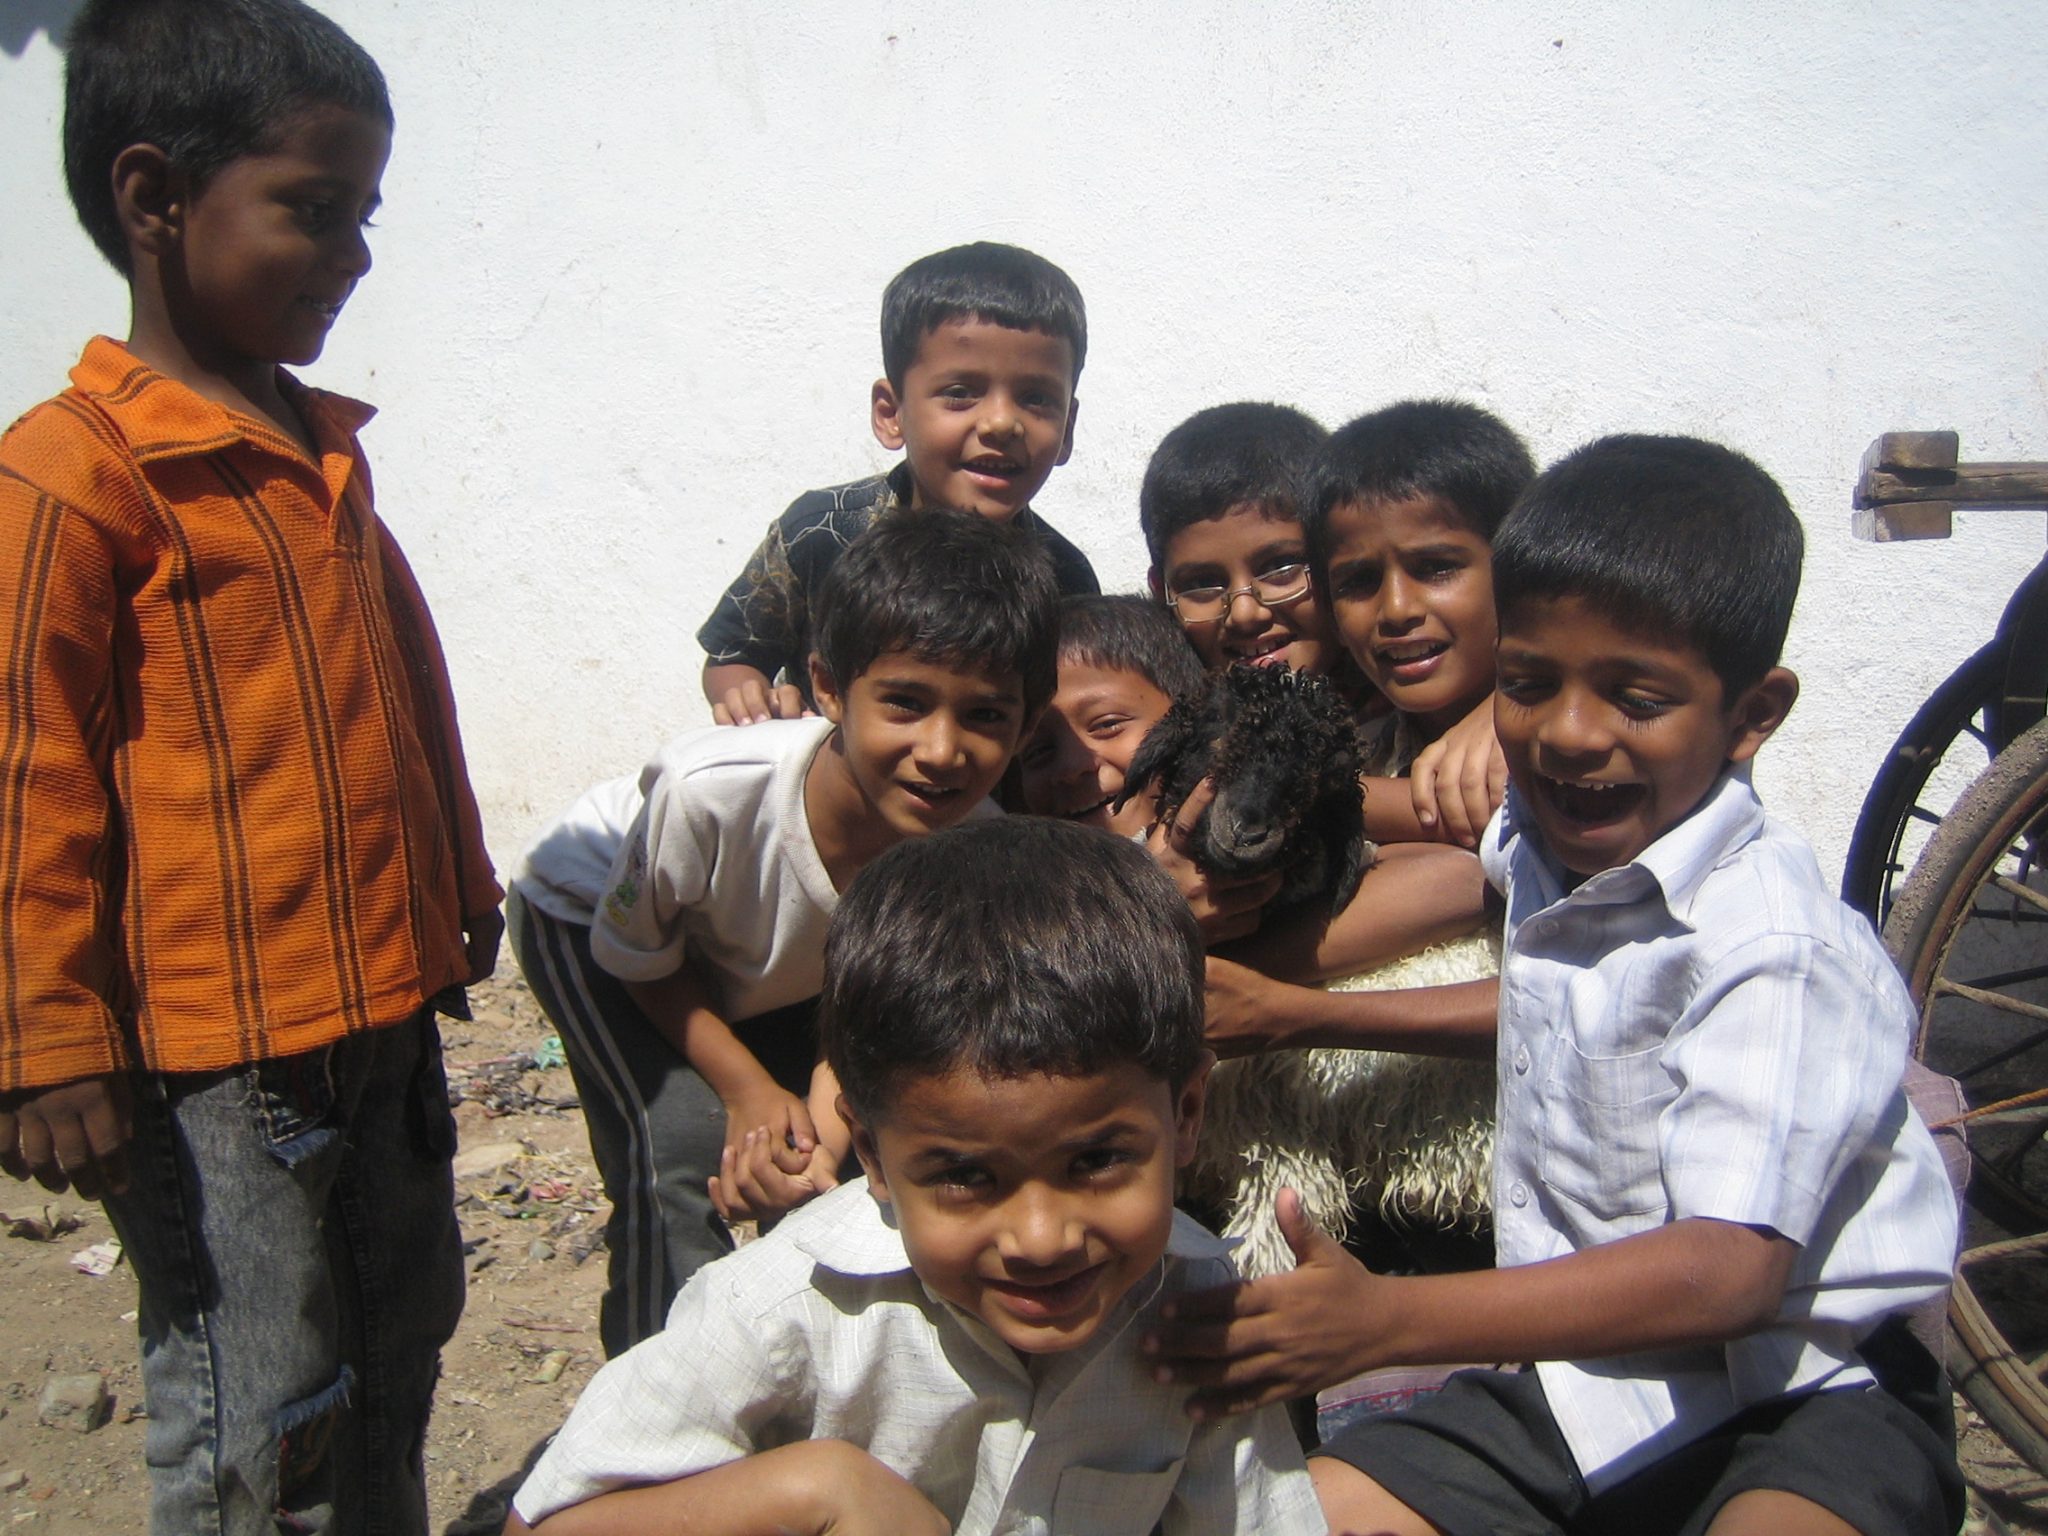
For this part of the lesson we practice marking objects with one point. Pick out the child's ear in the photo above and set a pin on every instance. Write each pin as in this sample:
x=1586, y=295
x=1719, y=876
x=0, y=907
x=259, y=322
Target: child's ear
x=149, y=197
x=1067, y=442
x=886, y=416
x=864, y=1149
x=1760, y=711
x=825, y=691
x=1187, y=1124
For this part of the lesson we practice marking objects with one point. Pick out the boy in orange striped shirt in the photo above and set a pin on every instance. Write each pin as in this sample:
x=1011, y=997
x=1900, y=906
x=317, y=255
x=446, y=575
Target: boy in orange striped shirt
x=239, y=857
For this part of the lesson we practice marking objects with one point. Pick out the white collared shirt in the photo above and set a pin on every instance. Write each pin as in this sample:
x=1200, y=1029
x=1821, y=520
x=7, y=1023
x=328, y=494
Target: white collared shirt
x=821, y=1330
x=1708, y=1032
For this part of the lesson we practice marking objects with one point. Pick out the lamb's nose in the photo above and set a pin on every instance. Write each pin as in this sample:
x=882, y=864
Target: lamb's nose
x=1244, y=847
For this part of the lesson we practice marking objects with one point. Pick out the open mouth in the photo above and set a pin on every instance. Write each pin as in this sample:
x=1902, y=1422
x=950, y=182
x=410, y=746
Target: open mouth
x=1095, y=810
x=1591, y=805
x=1411, y=661
x=930, y=797
x=1266, y=651
x=324, y=308
x=1035, y=1302
x=994, y=467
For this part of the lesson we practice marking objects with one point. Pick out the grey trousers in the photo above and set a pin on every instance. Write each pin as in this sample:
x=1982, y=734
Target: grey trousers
x=656, y=1128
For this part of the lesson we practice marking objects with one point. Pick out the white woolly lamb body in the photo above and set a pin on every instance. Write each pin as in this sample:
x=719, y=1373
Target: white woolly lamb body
x=1410, y=1134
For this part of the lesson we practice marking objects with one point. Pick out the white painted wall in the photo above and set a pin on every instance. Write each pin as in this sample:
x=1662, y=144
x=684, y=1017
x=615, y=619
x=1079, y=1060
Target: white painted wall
x=632, y=254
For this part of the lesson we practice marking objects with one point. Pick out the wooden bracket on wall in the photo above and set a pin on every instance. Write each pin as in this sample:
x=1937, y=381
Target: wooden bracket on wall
x=1912, y=482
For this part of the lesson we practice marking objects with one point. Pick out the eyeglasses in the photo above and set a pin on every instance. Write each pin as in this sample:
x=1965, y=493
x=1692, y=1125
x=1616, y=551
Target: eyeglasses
x=1275, y=588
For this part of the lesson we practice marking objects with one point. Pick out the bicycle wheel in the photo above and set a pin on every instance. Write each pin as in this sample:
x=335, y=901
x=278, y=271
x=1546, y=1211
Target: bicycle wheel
x=1970, y=932
x=1946, y=744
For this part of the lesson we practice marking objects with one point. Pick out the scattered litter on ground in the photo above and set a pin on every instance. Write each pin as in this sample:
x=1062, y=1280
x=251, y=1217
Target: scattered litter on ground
x=552, y=1365
x=99, y=1259
x=505, y=1085
x=475, y=1162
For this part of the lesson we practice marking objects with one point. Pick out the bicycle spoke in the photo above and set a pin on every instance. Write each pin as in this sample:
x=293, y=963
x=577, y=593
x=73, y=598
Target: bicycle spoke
x=2008, y=1163
x=2011, y=1248
x=2011, y=978
x=1971, y=1071
x=1996, y=1000
x=2024, y=892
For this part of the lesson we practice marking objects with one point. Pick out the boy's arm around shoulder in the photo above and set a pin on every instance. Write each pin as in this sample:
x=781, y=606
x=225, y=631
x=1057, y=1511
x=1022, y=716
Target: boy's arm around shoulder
x=1693, y=1281
x=1784, y=1059
x=63, y=1108
x=1243, y=1473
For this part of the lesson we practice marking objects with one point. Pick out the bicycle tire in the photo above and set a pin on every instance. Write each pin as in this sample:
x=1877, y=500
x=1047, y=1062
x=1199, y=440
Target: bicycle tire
x=1877, y=865
x=1978, y=896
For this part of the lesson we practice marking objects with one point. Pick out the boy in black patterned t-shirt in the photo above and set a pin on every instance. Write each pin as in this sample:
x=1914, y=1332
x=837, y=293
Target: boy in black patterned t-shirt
x=981, y=348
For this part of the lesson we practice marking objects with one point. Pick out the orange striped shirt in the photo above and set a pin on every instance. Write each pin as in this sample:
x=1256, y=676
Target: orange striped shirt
x=233, y=807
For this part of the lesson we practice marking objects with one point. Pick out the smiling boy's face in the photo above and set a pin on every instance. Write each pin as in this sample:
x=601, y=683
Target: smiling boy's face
x=1032, y=1203
x=1238, y=556
x=1075, y=761
x=919, y=744
x=1613, y=737
x=270, y=248
x=984, y=415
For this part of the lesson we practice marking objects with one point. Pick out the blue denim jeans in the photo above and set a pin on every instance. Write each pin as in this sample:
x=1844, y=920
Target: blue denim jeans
x=292, y=1227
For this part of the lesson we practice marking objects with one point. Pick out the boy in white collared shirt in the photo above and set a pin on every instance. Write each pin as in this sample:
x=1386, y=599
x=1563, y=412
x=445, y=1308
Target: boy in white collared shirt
x=1712, y=1201
x=1013, y=1010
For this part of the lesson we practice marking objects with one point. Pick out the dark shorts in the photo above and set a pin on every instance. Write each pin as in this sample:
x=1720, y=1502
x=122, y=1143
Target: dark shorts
x=1485, y=1456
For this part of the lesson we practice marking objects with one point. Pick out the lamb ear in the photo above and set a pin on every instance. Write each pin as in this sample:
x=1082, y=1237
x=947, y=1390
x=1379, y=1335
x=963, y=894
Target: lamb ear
x=1162, y=747
x=1353, y=861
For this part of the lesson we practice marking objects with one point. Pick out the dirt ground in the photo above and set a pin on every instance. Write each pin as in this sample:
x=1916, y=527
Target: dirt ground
x=532, y=1218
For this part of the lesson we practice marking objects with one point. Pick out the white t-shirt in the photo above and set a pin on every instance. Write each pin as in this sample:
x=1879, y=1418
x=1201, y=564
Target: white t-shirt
x=821, y=1330
x=710, y=853
x=1707, y=1031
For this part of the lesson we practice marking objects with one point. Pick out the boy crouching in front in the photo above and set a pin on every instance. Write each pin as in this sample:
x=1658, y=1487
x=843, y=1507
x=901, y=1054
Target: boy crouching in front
x=1014, y=1013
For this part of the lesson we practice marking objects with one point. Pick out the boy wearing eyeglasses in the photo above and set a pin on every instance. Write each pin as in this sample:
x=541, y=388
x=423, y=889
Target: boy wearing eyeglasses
x=1221, y=509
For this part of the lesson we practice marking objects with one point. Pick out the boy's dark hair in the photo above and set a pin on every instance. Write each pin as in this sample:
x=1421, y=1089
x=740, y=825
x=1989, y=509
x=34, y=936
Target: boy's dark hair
x=205, y=81
x=1003, y=284
x=1130, y=633
x=1466, y=457
x=1669, y=536
x=1010, y=947
x=1224, y=457
x=950, y=588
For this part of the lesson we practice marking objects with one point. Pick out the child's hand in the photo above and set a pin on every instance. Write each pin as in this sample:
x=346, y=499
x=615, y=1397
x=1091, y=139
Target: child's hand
x=1224, y=909
x=753, y=1183
x=1243, y=1005
x=74, y=1135
x=1261, y=1341
x=771, y=1154
x=755, y=698
x=1458, y=780
x=480, y=936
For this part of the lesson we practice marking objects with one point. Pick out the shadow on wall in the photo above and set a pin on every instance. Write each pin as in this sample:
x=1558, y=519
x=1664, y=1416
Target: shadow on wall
x=21, y=20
